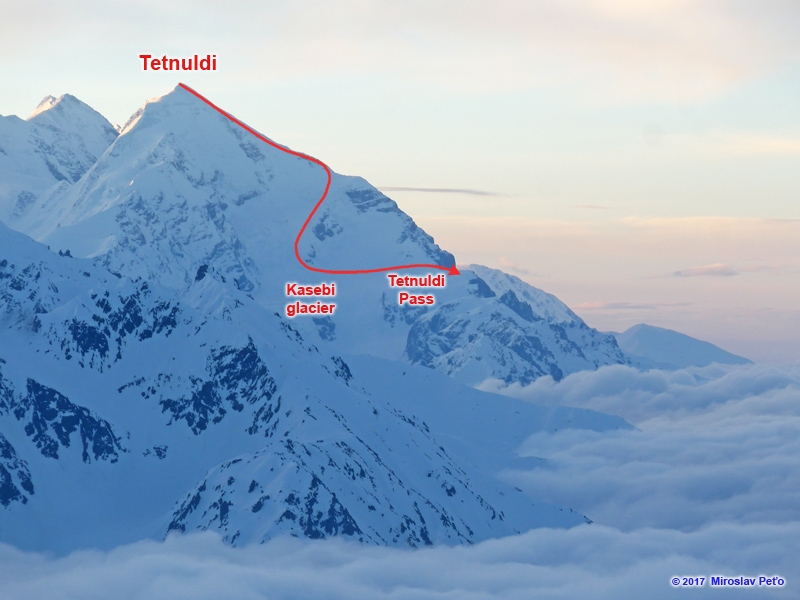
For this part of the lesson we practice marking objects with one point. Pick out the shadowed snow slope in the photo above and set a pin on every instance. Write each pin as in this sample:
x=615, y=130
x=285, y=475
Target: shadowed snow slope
x=127, y=412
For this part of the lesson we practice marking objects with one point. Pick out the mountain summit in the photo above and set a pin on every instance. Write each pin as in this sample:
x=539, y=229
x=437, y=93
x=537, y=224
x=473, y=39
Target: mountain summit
x=47, y=103
x=48, y=152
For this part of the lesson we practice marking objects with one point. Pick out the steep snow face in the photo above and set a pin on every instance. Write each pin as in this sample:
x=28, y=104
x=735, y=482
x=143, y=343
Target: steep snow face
x=656, y=348
x=128, y=409
x=50, y=151
x=184, y=189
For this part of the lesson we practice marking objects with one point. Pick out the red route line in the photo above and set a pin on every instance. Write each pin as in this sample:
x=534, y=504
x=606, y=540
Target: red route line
x=451, y=270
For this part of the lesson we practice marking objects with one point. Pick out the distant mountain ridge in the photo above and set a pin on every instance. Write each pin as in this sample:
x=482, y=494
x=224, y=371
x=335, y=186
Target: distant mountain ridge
x=652, y=347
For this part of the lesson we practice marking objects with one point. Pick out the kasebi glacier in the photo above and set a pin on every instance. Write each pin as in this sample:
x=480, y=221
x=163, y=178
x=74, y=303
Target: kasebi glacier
x=150, y=383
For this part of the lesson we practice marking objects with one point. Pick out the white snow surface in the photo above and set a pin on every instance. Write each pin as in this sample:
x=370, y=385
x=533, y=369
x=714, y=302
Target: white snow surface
x=46, y=104
x=543, y=304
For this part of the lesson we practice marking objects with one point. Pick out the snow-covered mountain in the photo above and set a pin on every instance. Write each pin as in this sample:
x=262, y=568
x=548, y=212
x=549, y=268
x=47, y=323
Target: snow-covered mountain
x=150, y=382
x=184, y=186
x=506, y=329
x=656, y=348
x=49, y=151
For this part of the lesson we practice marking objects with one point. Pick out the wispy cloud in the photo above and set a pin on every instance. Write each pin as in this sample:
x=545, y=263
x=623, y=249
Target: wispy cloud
x=440, y=190
x=619, y=306
x=724, y=144
x=720, y=270
x=512, y=266
x=591, y=206
x=715, y=270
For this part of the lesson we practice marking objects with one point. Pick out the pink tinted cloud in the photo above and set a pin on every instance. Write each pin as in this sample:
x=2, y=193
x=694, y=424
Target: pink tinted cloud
x=715, y=270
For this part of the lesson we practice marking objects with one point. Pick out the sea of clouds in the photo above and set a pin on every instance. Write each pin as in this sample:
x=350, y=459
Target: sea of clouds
x=708, y=484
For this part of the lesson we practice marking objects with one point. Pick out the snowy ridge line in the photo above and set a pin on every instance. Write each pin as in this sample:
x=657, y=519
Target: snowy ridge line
x=451, y=270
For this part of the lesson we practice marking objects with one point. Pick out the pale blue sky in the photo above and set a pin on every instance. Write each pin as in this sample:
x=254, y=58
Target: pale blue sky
x=624, y=141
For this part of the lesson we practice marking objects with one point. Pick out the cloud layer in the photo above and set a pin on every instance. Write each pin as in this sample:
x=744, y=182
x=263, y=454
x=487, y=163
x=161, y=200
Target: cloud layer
x=587, y=562
x=714, y=444
x=709, y=484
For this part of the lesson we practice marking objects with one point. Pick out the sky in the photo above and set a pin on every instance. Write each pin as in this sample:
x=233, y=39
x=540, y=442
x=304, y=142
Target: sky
x=639, y=160
x=707, y=484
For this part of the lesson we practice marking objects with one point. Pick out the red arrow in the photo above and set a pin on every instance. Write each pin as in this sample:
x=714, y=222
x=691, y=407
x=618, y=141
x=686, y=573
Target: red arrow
x=452, y=270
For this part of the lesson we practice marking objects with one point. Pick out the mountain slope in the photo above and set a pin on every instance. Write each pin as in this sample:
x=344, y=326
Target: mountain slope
x=129, y=410
x=506, y=329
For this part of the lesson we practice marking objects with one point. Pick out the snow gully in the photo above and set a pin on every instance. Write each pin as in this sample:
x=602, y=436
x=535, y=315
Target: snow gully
x=165, y=63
